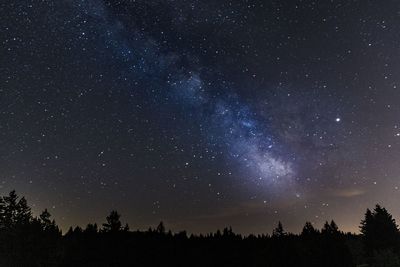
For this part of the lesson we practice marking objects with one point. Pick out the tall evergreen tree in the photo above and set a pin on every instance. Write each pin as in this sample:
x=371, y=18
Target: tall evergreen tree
x=113, y=223
x=91, y=229
x=14, y=211
x=46, y=222
x=309, y=230
x=334, y=227
x=379, y=230
x=367, y=223
x=330, y=228
x=161, y=228
x=278, y=231
x=23, y=214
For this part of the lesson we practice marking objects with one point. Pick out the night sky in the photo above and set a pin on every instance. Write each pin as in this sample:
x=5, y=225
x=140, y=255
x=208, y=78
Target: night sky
x=201, y=113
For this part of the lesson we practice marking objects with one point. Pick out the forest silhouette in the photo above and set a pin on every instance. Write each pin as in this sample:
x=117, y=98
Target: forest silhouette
x=27, y=240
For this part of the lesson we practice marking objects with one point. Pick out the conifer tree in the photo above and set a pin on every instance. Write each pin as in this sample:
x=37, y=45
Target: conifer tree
x=278, y=231
x=113, y=223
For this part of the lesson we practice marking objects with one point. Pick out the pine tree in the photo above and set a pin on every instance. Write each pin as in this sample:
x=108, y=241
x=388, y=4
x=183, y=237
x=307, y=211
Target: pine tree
x=278, y=231
x=23, y=214
x=330, y=228
x=91, y=228
x=45, y=219
x=334, y=227
x=309, y=230
x=161, y=228
x=367, y=224
x=113, y=223
x=379, y=230
x=14, y=212
x=46, y=223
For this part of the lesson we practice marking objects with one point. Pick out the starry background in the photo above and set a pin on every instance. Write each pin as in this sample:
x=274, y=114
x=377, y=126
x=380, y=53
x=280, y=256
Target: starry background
x=202, y=114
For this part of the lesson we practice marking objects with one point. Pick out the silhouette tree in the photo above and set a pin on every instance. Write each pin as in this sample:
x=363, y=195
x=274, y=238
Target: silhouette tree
x=333, y=227
x=160, y=228
x=367, y=227
x=34, y=238
x=45, y=218
x=278, y=231
x=91, y=229
x=14, y=212
x=24, y=214
x=309, y=230
x=218, y=234
x=379, y=230
x=227, y=232
x=77, y=230
x=113, y=223
x=330, y=228
x=46, y=223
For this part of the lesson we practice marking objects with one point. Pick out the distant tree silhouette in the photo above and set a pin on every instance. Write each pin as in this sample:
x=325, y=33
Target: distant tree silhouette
x=160, y=228
x=45, y=218
x=278, y=231
x=91, y=229
x=379, y=230
x=330, y=228
x=113, y=223
x=26, y=240
x=227, y=232
x=36, y=241
x=309, y=230
x=367, y=224
x=14, y=211
x=47, y=223
x=333, y=227
x=218, y=234
x=77, y=230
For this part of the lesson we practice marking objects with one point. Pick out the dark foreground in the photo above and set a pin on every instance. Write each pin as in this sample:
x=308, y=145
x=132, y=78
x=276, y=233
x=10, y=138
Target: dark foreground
x=37, y=241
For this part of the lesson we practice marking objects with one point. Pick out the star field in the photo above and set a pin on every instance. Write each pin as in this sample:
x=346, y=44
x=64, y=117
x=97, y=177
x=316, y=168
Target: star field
x=201, y=113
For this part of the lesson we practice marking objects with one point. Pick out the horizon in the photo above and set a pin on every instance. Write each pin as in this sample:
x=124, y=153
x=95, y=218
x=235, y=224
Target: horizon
x=174, y=227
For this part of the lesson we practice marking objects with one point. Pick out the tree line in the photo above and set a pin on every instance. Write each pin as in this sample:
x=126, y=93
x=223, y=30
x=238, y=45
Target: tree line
x=26, y=240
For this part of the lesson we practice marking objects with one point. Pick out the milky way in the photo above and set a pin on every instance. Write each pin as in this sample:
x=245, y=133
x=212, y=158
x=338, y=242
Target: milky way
x=201, y=113
x=232, y=122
